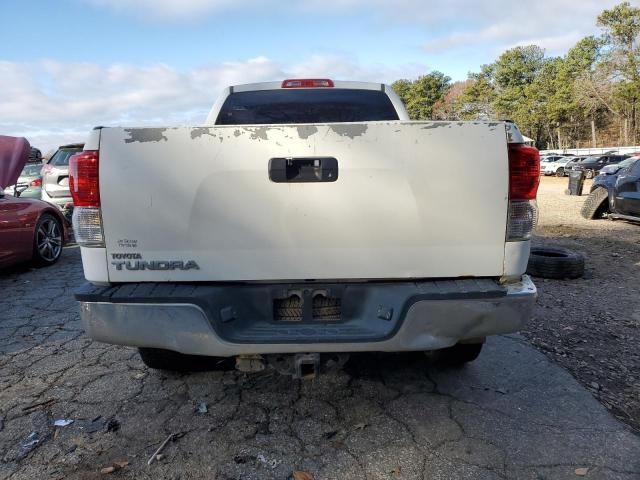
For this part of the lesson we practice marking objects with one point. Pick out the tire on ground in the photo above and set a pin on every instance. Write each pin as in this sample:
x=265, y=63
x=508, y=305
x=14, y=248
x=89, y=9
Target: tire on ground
x=160, y=359
x=558, y=263
x=596, y=205
x=560, y=172
x=37, y=258
x=458, y=355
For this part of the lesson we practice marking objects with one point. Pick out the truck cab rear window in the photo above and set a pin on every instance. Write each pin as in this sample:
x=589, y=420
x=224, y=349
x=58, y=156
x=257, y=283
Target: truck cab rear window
x=306, y=106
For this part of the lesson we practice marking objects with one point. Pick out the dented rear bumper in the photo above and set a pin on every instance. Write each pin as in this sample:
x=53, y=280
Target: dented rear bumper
x=234, y=319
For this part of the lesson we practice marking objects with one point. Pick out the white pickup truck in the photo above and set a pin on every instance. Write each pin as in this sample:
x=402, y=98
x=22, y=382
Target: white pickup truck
x=307, y=217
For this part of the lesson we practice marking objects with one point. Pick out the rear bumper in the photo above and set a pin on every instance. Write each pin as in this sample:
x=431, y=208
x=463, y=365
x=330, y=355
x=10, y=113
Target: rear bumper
x=59, y=202
x=238, y=319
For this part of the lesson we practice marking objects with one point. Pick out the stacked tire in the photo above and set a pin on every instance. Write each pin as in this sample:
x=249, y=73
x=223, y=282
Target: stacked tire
x=556, y=263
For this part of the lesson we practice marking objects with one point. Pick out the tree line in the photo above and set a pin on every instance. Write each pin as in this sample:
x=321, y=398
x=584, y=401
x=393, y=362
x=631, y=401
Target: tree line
x=589, y=97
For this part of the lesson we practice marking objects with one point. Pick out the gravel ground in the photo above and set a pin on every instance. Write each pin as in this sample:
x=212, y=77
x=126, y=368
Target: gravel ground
x=591, y=326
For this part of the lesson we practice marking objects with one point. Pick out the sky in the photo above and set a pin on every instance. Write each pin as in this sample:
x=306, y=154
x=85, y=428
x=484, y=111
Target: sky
x=69, y=65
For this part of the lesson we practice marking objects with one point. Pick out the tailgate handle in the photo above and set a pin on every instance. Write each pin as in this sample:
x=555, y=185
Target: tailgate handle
x=303, y=169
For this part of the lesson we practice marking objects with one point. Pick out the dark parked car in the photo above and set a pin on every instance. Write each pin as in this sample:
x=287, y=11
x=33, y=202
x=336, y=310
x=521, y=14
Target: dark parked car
x=593, y=165
x=615, y=194
x=30, y=229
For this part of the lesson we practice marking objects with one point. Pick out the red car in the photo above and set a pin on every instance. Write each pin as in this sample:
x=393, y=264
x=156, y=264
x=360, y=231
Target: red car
x=30, y=229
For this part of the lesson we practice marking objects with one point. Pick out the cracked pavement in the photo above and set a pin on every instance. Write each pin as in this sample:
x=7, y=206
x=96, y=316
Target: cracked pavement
x=511, y=414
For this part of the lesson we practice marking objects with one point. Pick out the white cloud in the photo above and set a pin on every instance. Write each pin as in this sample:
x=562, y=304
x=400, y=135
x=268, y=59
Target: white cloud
x=553, y=44
x=52, y=102
x=552, y=24
x=170, y=9
x=338, y=67
x=454, y=13
x=504, y=36
x=485, y=27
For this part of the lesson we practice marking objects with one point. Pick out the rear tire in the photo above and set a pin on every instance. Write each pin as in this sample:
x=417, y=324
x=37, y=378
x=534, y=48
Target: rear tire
x=160, y=359
x=557, y=263
x=596, y=205
x=458, y=355
x=560, y=172
x=588, y=174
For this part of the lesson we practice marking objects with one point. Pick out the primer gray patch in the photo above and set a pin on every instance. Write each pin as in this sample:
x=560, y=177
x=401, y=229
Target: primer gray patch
x=305, y=131
x=143, y=135
x=433, y=125
x=237, y=133
x=198, y=132
x=258, y=133
x=350, y=131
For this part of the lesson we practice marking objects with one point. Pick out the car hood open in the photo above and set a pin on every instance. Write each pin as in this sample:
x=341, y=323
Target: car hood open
x=14, y=153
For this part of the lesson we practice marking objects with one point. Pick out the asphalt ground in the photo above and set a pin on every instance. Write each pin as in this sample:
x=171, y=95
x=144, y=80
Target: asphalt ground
x=513, y=413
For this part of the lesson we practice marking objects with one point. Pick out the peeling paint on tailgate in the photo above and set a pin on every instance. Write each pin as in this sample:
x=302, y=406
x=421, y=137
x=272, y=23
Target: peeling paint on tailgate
x=143, y=135
x=350, y=130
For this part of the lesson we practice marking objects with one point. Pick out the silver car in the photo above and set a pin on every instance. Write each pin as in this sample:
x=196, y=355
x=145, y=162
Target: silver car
x=29, y=184
x=55, y=177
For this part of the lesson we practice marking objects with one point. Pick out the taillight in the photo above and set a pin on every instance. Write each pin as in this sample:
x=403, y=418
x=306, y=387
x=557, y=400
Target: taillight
x=87, y=226
x=307, y=83
x=83, y=179
x=524, y=178
x=524, y=172
x=84, y=184
x=521, y=220
x=36, y=183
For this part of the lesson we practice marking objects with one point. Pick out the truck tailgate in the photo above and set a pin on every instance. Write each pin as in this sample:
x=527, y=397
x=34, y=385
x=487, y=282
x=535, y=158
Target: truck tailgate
x=411, y=200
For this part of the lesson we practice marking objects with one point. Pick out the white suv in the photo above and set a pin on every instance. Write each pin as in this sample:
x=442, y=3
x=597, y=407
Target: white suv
x=554, y=165
x=55, y=177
